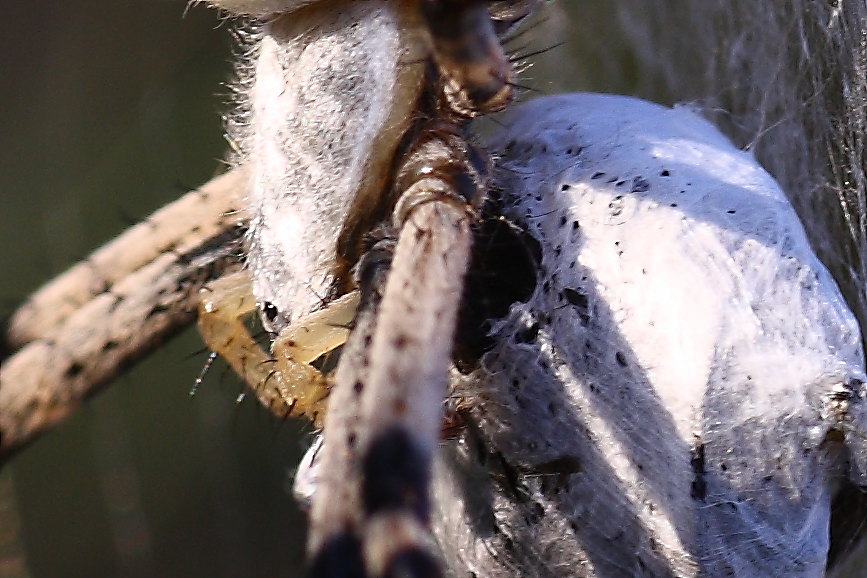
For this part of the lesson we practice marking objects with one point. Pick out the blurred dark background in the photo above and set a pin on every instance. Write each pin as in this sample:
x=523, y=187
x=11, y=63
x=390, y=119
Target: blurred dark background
x=108, y=110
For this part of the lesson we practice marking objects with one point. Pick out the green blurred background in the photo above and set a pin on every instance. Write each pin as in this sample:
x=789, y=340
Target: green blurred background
x=108, y=110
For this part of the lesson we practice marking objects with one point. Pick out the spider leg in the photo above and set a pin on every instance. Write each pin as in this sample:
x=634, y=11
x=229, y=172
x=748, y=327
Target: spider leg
x=404, y=408
x=387, y=409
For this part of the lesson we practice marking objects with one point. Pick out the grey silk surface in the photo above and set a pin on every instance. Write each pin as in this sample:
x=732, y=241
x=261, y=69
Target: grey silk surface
x=671, y=399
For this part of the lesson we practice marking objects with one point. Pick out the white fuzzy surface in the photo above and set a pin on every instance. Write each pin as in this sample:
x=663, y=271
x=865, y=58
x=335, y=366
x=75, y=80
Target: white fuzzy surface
x=318, y=98
x=684, y=346
x=787, y=80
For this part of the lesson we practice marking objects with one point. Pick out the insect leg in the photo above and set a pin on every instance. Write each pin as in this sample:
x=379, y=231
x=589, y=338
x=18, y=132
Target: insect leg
x=183, y=226
x=286, y=383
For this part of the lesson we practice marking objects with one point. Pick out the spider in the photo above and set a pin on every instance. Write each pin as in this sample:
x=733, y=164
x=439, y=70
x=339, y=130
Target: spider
x=354, y=111
x=673, y=397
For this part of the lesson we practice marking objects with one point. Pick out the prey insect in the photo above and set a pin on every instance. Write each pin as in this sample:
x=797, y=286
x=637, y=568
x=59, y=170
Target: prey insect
x=354, y=115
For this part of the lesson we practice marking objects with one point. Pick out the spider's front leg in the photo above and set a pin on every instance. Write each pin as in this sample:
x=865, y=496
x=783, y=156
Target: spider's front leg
x=385, y=415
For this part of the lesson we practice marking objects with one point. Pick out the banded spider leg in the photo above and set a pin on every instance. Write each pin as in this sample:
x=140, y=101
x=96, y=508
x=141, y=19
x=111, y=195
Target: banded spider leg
x=386, y=411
